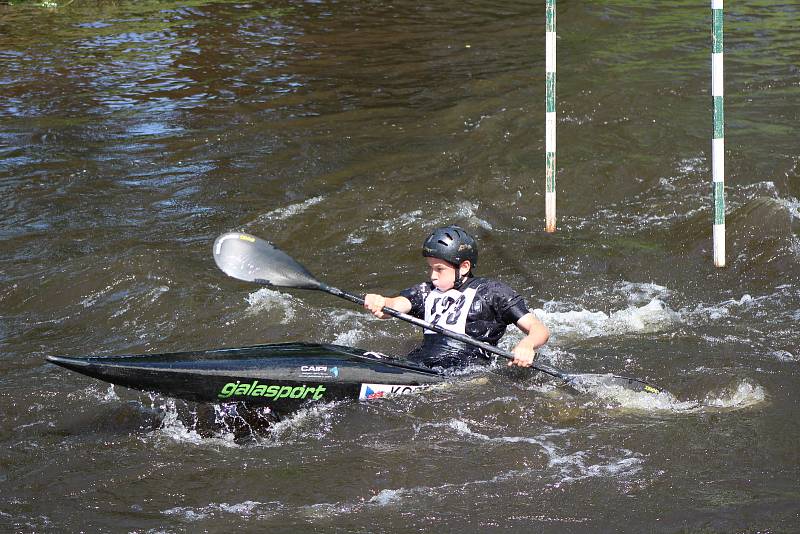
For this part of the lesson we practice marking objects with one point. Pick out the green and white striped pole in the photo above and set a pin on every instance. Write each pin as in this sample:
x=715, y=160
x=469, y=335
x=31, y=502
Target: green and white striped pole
x=718, y=142
x=550, y=117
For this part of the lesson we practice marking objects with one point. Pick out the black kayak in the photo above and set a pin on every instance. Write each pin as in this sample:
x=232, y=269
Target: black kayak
x=281, y=376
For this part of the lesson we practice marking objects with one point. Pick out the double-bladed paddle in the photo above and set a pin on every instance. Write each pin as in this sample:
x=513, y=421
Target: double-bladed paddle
x=251, y=259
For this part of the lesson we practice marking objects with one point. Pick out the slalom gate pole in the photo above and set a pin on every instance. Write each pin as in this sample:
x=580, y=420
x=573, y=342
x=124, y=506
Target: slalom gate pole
x=550, y=116
x=718, y=140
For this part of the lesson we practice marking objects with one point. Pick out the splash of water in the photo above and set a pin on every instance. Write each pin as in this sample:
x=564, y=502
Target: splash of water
x=265, y=300
x=738, y=396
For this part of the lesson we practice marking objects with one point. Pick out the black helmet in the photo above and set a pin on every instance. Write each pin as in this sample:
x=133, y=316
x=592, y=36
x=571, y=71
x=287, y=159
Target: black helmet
x=451, y=244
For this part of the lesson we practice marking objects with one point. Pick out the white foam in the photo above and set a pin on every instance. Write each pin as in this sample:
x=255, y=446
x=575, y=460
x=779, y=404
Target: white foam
x=744, y=395
x=187, y=513
x=266, y=299
x=737, y=396
x=624, y=399
x=785, y=356
x=562, y=468
x=348, y=326
x=355, y=239
x=388, y=496
x=402, y=221
x=795, y=246
x=466, y=210
x=638, y=293
x=692, y=166
x=350, y=337
x=792, y=205
x=244, y=509
x=666, y=184
x=290, y=210
x=761, y=189
x=95, y=392
x=156, y=292
x=568, y=467
x=111, y=394
x=463, y=428
x=328, y=510
x=703, y=313
x=174, y=428
x=655, y=316
x=471, y=369
x=574, y=467
x=314, y=421
x=463, y=211
x=385, y=497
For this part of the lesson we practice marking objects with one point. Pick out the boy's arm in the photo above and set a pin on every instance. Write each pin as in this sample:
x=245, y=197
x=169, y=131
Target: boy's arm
x=375, y=303
x=537, y=335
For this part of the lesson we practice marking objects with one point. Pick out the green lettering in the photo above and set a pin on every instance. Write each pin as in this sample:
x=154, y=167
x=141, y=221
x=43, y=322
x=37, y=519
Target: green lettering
x=227, y=390
x=255, y=389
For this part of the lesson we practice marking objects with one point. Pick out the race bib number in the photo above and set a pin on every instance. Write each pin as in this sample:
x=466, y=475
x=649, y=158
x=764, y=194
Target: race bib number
x=449, y=309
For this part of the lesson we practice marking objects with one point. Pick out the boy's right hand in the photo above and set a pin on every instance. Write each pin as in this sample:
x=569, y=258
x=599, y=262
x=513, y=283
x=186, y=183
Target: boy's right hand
x=375, y=303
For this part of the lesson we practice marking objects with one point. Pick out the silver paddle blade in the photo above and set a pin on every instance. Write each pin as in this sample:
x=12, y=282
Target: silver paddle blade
x=249, y=258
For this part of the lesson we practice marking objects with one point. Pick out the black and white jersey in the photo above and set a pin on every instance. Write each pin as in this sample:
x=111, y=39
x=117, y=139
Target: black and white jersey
x=481, y=308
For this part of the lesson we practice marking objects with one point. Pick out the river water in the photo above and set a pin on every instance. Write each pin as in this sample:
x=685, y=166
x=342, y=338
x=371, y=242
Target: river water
x=134, y=133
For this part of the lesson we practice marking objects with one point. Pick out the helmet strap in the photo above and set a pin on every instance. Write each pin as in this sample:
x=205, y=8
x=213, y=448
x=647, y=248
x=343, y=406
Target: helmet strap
x=461, y=279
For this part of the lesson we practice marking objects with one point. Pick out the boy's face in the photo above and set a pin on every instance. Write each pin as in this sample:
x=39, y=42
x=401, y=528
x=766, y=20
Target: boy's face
x=443, y=275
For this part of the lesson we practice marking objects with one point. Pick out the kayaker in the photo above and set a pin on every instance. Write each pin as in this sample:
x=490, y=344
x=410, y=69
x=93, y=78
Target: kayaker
x=457, y=300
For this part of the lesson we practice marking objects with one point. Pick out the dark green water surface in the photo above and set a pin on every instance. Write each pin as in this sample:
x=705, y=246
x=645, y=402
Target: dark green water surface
x=133, y=133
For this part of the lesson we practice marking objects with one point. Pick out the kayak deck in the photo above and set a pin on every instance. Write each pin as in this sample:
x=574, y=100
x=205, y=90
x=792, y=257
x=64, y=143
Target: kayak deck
x=281, y=376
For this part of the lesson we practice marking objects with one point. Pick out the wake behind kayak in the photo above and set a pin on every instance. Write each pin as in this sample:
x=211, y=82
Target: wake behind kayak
x=280, y=376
